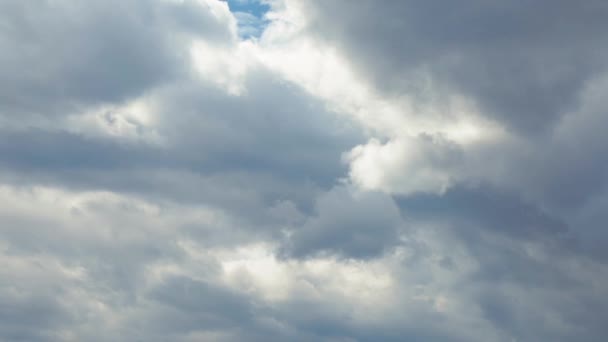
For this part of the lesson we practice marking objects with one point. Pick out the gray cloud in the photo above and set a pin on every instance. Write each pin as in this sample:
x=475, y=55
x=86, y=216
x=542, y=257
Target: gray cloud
x=62, y=55
x=20, y=313
x=509, y=57
x=236, y=221
x=348, y=224
x=486, y=207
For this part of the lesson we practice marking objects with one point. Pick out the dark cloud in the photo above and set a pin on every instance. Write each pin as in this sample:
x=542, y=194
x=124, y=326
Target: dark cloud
x=485, y=207
x=526, y=261
x=511, y=58
x=202, y=306
x=61, y=55
x=274, y=139
x=347, y=224
x=32, y=317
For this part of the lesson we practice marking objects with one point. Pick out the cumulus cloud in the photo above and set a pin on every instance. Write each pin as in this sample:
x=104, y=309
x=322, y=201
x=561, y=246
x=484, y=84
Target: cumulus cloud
x=61, y=55
x=290, y=170
x=507, y=56
x=349, y=224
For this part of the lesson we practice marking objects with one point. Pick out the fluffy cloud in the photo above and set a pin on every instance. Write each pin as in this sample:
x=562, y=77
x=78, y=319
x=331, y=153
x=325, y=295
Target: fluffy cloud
x=509, y=57
x=289, y=170
x=349, y=224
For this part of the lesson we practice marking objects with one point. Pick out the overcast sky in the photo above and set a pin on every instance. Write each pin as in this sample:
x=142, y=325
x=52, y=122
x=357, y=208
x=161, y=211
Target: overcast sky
x=303, y=170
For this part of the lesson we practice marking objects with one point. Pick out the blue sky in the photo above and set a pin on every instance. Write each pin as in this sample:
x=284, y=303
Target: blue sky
x=250, y=16
x=256, y=7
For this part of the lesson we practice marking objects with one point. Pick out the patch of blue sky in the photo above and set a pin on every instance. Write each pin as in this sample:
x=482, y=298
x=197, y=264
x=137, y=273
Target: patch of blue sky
x=250, y=16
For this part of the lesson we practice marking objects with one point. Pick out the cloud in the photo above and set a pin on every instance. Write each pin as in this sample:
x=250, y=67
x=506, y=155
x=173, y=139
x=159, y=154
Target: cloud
x=355, y=172
x=408, y=165
x=507, y=57
x=483, y=206
x=348, y=224
x=61, y=55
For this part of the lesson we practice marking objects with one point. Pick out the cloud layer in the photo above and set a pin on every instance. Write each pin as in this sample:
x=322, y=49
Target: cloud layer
x=290, y=170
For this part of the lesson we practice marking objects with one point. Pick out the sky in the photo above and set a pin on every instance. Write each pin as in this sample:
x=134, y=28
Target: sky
x=249, y=16
x=303, y=170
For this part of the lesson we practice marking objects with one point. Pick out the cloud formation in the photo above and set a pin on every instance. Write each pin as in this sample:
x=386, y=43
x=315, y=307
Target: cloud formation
x=291, y=170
